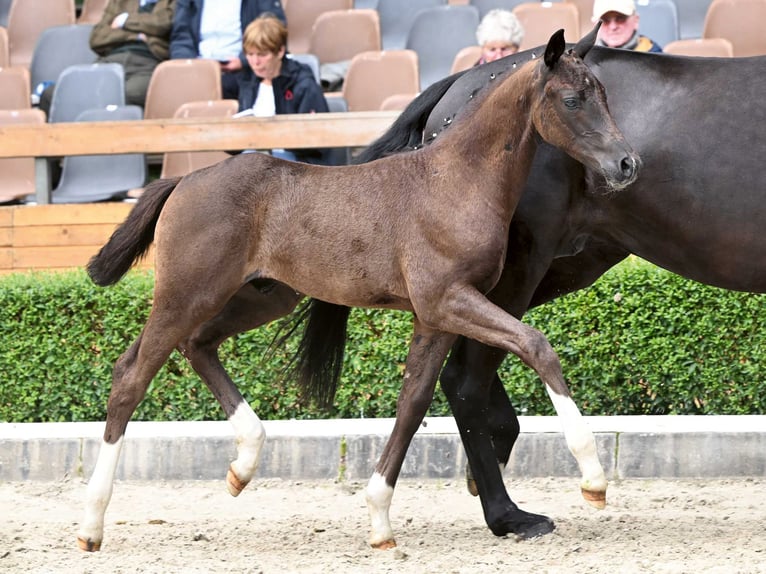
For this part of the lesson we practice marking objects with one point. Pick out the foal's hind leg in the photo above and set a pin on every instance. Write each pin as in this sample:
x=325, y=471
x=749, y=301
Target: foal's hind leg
x=251, y=307
x=428, y=350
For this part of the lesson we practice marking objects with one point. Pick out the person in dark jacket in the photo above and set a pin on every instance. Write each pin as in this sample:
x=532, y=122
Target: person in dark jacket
x=274, y=84
x=214, y=30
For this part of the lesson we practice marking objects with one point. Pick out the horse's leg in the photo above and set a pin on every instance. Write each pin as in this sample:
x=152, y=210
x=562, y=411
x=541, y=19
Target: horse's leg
x=252, y=306
x=131, y=376
x=426, y=355
x=471, y=314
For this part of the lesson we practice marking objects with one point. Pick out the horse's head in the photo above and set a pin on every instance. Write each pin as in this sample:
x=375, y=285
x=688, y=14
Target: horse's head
x=572, y=113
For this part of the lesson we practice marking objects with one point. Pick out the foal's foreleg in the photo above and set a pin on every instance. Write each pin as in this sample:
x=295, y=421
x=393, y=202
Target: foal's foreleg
x=251, y=307
x=472, y=315
x=428, y=350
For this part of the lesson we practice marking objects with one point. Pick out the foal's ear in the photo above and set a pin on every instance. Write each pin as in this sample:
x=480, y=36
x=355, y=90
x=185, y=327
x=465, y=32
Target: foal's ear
x=555, y=48
x=586, y=42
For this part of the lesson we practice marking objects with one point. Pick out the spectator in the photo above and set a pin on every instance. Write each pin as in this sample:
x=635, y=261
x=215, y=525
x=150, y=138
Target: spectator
x=499, y=34
x=619, y=28
x=135, y=34
x=214, y=30
x=274, y=84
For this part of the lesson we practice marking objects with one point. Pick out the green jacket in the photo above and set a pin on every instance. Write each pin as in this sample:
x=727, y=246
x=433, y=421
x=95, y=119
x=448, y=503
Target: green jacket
x=150, y=25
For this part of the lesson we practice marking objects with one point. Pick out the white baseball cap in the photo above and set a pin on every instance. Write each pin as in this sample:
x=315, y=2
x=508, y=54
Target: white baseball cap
x=601, y=7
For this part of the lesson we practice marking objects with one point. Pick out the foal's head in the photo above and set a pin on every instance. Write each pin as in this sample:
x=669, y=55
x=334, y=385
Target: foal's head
x=572, y=114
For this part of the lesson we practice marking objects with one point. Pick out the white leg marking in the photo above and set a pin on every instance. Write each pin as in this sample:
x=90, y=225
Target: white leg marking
x=580, y=441
x=99, y=492
x=250, y=435
x=379, y=496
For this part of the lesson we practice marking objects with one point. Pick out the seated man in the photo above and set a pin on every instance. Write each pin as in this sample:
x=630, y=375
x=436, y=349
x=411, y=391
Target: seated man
x=619, y=28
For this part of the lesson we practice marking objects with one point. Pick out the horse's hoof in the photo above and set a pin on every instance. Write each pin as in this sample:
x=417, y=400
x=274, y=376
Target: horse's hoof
x=385, y=545
x=524, y=525
x=596, y=498
x=88, y=545
x=471, y=486
x=234, y=484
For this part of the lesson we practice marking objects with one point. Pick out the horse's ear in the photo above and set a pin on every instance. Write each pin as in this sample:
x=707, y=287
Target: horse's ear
x=586, y=42
x=555, y=48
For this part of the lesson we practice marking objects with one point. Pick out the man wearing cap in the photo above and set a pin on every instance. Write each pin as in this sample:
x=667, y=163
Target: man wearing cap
x=619, y=28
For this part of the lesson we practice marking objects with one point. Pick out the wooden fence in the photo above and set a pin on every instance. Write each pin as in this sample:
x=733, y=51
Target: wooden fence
x=67, y=235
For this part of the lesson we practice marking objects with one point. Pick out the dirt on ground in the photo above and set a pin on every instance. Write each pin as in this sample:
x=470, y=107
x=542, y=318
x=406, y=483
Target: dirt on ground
x=274, y=527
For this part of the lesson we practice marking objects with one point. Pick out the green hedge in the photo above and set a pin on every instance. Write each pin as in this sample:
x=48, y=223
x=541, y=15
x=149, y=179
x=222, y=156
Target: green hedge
x=640, y=341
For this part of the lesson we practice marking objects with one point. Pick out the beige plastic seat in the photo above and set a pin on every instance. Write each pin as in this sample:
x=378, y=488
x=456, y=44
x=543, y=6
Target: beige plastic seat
x=541, y=19
x=339, y=35
x=5, y=59
x=91, y=11
x=397, y=102
x=181, y=163
x=465, y=58
x=176, y=82
x=739, y=21
x=14, y=89
x=301, y=15
x=373, y=76
x=711, y=47
x=17, y=175
x=27, y=20
x=585, y=11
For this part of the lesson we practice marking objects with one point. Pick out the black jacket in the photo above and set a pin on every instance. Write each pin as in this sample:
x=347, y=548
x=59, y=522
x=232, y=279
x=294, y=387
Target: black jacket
x=296, y=91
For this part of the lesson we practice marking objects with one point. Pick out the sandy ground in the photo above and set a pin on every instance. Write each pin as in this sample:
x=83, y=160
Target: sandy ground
x=274, y=527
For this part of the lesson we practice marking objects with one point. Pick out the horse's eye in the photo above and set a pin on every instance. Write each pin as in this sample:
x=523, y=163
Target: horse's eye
x=571, y=103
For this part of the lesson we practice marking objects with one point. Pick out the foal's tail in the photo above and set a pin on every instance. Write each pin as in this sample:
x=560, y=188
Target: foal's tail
x=318, y=361
x=131, y=240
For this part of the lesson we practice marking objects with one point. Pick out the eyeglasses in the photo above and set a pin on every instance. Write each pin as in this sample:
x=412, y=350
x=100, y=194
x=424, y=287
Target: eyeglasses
x=616, y=18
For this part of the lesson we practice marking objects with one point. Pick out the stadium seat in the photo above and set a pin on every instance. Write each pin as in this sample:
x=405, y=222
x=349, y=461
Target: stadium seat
x=84, y=87
x=485, y=6
x=373, y=76
x=176, y=82
x=17, y=175
x=585, y=11
x=181, y=163
x=14, y=89
x=658, y=20
x=89, y=178
x=739, y=21
x=5, y=8
x=301, y=15
x=437, y=35
x=396, y=17
x=709, y=47
x=91, y=11
x=27, y=20
x=541, y=19
x=691, y=17
x=57, y=48
x=397, y=102
x=5, y=59
x=339, y=35
x=466, y=58
x=310, y=60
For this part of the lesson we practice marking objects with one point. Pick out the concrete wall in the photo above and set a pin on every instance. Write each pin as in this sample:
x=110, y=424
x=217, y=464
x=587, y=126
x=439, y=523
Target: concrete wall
x=629, y=447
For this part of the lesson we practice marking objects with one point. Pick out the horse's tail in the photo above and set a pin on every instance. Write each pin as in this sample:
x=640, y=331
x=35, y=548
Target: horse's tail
x=131, y=240
x=318, y=361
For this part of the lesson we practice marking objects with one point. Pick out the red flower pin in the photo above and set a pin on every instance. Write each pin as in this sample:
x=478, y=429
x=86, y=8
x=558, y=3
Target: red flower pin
x=288, y=95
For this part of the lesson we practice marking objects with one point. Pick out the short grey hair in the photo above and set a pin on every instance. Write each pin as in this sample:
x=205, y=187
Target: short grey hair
x=500, y=26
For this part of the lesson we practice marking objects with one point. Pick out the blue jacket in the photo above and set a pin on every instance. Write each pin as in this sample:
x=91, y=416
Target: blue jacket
x=185, y=36
x=296, y=91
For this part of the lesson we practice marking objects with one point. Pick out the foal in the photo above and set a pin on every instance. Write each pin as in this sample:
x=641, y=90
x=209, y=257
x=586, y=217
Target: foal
x=240, y=243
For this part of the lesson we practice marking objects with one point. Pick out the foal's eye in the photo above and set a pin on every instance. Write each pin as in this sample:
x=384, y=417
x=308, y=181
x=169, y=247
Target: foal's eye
x=571, y=103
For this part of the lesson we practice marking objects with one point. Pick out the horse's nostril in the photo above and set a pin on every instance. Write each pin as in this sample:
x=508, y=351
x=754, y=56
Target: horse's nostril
x=628, y=166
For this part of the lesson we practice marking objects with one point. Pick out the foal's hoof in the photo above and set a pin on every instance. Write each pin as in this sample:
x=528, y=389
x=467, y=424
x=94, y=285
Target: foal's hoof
x=596, y=498
x=385, y=545
x=524, y=525
x=88, y=545
x=470, y=484
x=233, y=483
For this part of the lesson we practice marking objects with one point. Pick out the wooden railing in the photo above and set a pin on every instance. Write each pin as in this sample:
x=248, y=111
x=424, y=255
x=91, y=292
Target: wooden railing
x=65, y=236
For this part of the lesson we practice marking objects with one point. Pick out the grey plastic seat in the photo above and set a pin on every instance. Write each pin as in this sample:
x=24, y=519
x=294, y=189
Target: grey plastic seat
x=91, y=178
x=691, y=17
x=57, y=48
x=5, y=9
x=437, y=35
x=396, y=17
x=659, y=20
x=84, y=87
x=310, y=60
x=485, y=6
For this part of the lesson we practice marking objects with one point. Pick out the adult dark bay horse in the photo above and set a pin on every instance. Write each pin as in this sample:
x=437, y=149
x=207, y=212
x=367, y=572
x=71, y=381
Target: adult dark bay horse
x=699, y=210
x=239, y=243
